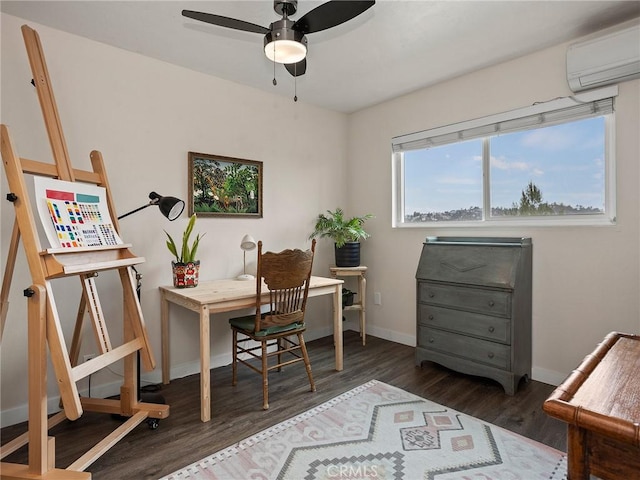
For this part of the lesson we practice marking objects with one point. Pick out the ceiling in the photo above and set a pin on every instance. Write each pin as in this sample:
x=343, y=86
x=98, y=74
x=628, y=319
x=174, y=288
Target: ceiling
x=394, y=48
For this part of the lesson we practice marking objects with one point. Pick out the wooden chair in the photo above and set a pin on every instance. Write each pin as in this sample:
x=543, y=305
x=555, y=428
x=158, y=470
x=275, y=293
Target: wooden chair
x=286, y=276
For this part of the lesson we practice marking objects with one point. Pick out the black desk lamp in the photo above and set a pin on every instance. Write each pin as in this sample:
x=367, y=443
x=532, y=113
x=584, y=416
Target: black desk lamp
x=170, y=207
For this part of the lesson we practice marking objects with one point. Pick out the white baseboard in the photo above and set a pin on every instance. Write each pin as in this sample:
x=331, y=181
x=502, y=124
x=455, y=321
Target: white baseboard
x=20, y=413
x=385, y=334
x=221, y=360
x=550, y=377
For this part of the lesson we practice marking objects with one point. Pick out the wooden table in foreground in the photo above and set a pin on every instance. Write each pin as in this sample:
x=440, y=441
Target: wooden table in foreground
x=600, y=401
x=227, y=295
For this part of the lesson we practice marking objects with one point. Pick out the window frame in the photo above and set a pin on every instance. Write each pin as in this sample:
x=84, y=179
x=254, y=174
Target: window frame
x=605, y=219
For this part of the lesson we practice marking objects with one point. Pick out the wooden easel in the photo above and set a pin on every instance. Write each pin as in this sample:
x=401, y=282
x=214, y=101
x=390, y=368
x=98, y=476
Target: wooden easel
x=44, y=326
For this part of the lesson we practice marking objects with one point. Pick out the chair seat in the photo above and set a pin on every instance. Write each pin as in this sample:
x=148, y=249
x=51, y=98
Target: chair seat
x=247, y=324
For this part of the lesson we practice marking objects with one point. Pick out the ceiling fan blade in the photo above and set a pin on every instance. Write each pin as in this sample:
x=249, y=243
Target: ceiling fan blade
x=297, y=69
x=225, y=22
x=331, y=14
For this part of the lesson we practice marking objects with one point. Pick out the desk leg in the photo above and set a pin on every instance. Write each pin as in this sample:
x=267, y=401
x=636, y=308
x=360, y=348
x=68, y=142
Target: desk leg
x=363, y=301
x=337, y=326
x=577, y=461
x=164, y=325
x=205, y=367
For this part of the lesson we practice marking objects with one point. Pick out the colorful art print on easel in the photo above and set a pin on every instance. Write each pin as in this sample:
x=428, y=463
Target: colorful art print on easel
x=74, y=215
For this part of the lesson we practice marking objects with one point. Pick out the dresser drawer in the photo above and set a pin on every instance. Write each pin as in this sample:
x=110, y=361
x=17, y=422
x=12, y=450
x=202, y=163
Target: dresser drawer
x=484, y=326
x=490, y=302
x=483, y=351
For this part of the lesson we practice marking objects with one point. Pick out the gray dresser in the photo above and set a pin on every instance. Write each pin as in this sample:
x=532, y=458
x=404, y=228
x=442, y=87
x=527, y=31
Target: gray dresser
x=474, y=306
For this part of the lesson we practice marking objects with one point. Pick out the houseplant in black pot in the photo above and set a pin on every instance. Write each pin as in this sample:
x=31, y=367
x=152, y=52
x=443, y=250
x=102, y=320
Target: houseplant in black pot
x=186, y=269
x=345, y=233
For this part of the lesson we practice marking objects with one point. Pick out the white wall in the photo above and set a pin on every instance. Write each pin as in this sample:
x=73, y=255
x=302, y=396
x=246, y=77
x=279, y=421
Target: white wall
x=144, y=116
x=585, y=279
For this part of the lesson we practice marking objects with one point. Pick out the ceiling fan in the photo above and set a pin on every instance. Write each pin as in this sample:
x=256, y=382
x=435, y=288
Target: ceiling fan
x=284, y=40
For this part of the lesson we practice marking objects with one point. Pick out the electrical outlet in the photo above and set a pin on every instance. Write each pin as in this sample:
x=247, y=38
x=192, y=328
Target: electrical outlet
x=89, y=357
x=377, y=298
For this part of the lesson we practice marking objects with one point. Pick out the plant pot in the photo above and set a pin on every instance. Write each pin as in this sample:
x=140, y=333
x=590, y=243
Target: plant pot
x=347, y=297
x=185, y=275
x=348, y=255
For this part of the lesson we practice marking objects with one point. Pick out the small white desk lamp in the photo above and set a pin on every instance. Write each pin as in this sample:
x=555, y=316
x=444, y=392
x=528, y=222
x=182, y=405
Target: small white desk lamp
x=247, y=243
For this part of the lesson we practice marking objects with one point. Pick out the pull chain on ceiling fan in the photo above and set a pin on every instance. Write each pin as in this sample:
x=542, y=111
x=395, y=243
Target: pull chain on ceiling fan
x=285, y=40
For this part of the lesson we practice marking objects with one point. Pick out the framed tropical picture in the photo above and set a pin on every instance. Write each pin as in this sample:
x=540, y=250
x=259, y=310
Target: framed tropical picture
x=224, y=186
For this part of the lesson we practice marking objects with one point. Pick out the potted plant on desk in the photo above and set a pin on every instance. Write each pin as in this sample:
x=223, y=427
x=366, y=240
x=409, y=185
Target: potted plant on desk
x=345, y=233
x=186, y=269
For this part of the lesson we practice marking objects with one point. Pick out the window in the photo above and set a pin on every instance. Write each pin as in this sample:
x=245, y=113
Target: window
x=551, y=163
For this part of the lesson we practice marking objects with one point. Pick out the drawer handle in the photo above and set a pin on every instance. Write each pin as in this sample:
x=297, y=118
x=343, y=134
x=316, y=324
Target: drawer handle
x=431, y=340
x=431, y=294
x=491, y=303
x=430, y=317
x=492, y=329
x=490, y=355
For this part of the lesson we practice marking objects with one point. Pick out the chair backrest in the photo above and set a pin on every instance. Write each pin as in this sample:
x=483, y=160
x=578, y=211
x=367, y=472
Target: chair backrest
x=287, y=275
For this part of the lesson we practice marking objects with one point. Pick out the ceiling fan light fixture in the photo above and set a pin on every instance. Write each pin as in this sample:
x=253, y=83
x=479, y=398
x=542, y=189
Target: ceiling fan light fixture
x=285, y=51
x=285, y=45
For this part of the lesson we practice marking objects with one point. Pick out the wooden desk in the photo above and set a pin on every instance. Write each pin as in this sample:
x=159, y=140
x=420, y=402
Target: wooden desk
x=225, y=296
x=600, y=401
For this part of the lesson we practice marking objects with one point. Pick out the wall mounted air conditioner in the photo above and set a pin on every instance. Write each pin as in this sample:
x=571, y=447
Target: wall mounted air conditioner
x=608, y=59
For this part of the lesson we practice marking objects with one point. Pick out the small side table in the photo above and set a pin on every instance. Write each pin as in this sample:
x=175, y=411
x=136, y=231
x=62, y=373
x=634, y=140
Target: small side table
x=362, y=292
x=599, y=402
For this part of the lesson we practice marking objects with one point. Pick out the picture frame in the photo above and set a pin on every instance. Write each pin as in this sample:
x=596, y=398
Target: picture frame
x=222, y=186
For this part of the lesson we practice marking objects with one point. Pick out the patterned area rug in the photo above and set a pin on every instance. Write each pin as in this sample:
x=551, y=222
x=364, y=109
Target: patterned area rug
x=380, y=432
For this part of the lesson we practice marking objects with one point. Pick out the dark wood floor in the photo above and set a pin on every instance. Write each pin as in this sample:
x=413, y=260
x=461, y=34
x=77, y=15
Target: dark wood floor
x=236, y=411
